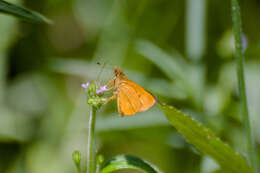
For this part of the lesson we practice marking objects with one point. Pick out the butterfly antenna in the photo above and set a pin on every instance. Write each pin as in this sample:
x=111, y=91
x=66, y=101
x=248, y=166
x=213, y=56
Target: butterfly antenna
x=103, y=66
x=101, y=71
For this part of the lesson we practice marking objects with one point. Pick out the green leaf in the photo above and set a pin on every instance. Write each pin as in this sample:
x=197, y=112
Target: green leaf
x=29, y=15
x=128, y=162
x=239, y=57
x=191, y=77
x=206, y=142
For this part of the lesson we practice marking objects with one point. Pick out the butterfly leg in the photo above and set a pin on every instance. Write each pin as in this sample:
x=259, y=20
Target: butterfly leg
x=110, y=84
x=110, y=98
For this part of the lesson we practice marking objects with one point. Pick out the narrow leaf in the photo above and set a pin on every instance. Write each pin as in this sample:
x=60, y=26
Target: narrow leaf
x=128, y=162
x=29, y=15
x=239, y=56
x=172, y=66
x=206, y=142
x=191, y=77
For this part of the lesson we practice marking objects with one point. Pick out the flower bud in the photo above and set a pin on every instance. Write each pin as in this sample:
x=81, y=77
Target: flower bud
x=92, y=89
x=76, y=157
x=100, y=159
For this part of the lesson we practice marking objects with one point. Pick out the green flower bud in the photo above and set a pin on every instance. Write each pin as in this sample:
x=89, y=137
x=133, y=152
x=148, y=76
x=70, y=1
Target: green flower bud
x=100, y=159
x=76, y=157
x=92, y=89
x=90, y=101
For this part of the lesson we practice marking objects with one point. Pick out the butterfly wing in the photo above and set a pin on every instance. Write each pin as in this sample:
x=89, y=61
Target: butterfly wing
x=146, y=98
x=128, y=101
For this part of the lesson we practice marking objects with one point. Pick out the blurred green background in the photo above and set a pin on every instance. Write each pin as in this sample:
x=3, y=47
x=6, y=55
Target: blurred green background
x=181, y=51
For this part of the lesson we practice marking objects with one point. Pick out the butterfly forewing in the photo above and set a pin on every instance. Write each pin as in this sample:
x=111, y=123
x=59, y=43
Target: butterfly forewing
x=128, y=101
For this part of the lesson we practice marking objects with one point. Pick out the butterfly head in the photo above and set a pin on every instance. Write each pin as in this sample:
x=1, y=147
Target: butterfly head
x=118, y=72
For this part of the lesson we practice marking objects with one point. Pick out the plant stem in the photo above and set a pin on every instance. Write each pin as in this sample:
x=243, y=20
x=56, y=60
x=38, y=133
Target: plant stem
x=239, y=56
x=2, y=77
x=79, y=169
x=91, y=141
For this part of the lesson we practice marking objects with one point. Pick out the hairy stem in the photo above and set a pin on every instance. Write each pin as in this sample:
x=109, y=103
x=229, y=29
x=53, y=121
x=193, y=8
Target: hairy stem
x=239, y=56
x=91, y=141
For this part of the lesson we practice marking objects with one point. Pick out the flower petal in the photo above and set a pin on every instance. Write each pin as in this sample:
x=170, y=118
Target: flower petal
x=102, y=89
x=85, y=85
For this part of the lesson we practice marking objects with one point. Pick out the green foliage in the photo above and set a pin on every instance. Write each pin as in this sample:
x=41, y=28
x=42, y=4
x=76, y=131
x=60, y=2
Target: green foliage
x=128, y=162
x=168, y=47
x=206, y=142
x=20, y=12
x=239, y=55
x=190, y=77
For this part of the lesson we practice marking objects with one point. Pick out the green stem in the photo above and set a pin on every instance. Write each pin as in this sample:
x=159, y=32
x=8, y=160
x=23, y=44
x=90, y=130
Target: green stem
x=79, y=169
x=239, y=56
x=91, y=141
x=2, y=77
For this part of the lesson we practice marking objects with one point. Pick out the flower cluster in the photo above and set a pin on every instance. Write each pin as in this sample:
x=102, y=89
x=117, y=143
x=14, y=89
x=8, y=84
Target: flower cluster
x=94, y=94
x=102, y=88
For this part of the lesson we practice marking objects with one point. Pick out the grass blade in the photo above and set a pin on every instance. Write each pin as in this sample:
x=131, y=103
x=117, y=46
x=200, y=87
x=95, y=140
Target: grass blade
x=239, y=56
x=173, y=67
x=191, y=77
x=206, y=142
x=29, y=15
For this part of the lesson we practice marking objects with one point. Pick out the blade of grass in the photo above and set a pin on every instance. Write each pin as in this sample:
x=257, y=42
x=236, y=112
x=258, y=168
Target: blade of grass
x=206, y=142
x=239, y=56
x=173, y=66
x=191, y=77
x=117, y=31
x=29, y=15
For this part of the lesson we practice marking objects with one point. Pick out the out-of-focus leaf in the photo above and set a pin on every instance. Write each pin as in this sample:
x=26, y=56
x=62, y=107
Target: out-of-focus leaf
x=150, y=118
x=195, y=29
x=108, y=17
x=190, y=76
x=206, y=142
x=35, y=88
x=29, y=15
x=91, y=71
x=173, y=67
x=70, y=66
x=165, y=88
x=128, y=162
x=208, y=165
x=225, y=46
x=14, y=126
x=8, y=34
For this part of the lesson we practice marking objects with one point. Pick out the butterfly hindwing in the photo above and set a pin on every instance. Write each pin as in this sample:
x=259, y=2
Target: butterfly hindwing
x=145, y=98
